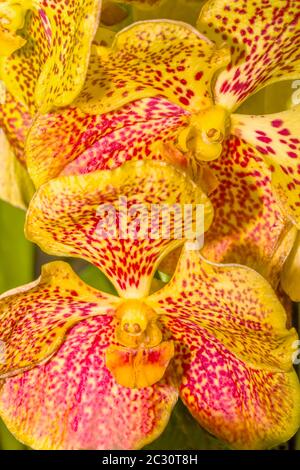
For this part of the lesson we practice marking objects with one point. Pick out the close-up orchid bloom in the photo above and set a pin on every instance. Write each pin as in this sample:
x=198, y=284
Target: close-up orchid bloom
x=145, y=143
x=44, y=54
x=216, y=333
x=164, y=90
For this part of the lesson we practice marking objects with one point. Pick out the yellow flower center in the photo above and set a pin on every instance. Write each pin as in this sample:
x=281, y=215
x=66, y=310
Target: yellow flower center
x=140, y=358
x=138, y=325
x=12, y=19
x=205, y=133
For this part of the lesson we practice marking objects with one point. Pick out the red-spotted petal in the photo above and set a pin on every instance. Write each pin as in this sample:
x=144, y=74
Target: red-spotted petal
x=15, y=121
x=152, y=58
x=234, y=304
x=73, y=402
x=49, y=70
x=249, y=227
x=233, y=350
x=74, y=24
x=20, y=70
x=275, y=139
x=34, y=318
x=15, y=185
x=72, y=142
x=264, y=40
x=119, y=220
x=244, y=406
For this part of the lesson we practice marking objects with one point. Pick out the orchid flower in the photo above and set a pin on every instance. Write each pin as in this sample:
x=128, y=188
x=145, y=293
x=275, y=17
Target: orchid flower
x=44, y=54
x=87, y=370
x=36, y=75
x=153, y=94
x=54, y=49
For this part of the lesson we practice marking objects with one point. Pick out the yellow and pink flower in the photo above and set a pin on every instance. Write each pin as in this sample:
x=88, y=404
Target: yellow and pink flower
x=153, y=117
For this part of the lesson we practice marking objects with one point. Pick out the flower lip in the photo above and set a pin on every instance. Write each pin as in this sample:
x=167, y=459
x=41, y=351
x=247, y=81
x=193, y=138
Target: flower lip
x=141, y=357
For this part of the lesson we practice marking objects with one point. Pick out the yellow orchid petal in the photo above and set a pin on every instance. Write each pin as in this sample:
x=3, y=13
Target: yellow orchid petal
x=264, y=39
x=249, y=226
x=96, y=217
x=70, y=142
x=15, y=121
x=148, y=59
x=290, y=274
x=63, y=75
x=20, y=71
x=231, y=342
x=232, y=302
x=9, y=42
x=275, y=139
x=12, y=20
x=15, y=185
x=34, y=318
x=41, y=75
x=246, y=407
x=73, y=402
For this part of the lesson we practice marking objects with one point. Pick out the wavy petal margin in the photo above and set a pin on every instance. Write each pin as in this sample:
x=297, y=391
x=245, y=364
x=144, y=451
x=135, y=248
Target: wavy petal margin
x=35, y=318
x=249, y=226
x=290, y=274
x=70, y=142
x=235, y=304
x=73, y=402
x=275, y=138
x=123, y=221
x=152, y=58
x=233, y=350
x=49, y=70
x=264, y=40
x=15, y=185
x=238, y=403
